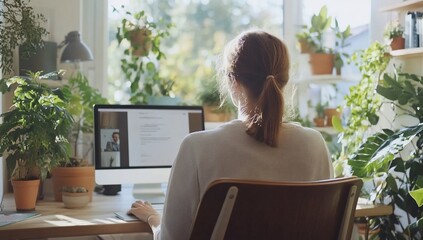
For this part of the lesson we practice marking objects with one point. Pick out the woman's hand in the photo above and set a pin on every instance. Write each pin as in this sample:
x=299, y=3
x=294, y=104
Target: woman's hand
x=145, y=212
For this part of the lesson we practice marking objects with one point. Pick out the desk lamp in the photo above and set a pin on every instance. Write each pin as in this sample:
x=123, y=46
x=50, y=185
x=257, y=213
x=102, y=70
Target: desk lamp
x=75, y=50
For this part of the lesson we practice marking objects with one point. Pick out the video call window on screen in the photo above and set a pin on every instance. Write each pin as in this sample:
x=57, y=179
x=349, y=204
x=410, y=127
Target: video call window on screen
x=132, y=136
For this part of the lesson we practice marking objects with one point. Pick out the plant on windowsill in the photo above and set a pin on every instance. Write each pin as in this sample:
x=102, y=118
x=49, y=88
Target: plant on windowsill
x=77, y=171
x=141, y=58
x=211, y=100
x=33, y=132
x=394, y=34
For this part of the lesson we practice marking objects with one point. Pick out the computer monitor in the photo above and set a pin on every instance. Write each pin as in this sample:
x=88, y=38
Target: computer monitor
x=137, y=144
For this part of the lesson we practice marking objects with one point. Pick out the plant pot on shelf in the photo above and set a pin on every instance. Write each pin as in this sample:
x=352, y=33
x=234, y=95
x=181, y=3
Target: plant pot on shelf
x=329, y=113
x=397, y=43
x=72, y=176
x=319, y=122
x=321, y=63
x=25, y=193
x=304, y=46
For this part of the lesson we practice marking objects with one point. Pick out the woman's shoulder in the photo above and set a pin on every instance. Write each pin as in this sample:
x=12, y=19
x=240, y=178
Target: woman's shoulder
x=297, y=129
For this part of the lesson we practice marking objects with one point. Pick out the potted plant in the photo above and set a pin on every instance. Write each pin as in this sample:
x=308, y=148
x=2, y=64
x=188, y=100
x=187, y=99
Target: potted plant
x=320, y=120
x=140, y=61
x=76, y=171
x=211, y=100
x=33, y=132
x=394, y=157
x=75, y=197
x=340, y=44
x=323, y=58
x=20, y=26
x=394, y=33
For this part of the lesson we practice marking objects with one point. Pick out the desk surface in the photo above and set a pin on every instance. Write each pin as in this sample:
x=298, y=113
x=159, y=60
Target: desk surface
x=98, y=218
x=58, y=221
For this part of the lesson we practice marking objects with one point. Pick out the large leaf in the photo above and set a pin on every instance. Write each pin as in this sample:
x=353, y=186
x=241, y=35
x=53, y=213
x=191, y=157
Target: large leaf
x=417, y=196
x=380, y=149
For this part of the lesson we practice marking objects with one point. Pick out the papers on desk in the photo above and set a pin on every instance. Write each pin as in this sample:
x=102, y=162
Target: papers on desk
x=9, y=217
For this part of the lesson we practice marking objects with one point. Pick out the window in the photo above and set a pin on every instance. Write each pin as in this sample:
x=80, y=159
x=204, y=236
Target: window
x=201, y=29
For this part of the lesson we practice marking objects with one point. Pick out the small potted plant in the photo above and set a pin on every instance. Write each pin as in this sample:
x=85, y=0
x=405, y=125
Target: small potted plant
x=77, y=171
x=75, y=197
x=394, y=33
x=210, y=98
x=33, y=133
x=320, y=120
x=340, y=44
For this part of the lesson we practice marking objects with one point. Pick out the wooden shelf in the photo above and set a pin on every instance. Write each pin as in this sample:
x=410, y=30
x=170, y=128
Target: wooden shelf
x=327, y=79
x=408, y=52
x=404, y=6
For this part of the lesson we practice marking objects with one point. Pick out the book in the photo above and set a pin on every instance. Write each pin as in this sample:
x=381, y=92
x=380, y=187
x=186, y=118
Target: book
x=9, y=217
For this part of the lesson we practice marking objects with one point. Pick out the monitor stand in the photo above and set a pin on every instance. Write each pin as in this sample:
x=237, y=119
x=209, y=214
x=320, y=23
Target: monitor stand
x=154, y=193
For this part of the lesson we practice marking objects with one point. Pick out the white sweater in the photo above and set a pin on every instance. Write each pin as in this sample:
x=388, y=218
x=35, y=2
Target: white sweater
x=228, y=152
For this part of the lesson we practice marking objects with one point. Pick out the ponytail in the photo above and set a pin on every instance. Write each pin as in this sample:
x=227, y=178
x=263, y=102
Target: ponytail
x=265, y=122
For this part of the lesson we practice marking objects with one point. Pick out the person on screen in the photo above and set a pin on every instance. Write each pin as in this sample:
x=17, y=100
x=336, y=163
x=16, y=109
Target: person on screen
x=113, y=146
x=261, y=145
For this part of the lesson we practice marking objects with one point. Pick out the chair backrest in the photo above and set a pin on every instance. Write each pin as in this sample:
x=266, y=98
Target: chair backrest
x=246, y=209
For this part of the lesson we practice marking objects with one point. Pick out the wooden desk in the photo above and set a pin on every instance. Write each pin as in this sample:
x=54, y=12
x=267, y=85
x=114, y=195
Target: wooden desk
x=366, y=209
x=57, y=221
x=98, y=218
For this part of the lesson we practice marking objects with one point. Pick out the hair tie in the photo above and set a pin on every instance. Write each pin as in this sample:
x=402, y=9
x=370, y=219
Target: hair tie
x=270, y=77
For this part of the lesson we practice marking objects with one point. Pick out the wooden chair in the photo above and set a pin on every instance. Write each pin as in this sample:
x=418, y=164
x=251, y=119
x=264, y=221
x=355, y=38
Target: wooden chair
x=245, y=209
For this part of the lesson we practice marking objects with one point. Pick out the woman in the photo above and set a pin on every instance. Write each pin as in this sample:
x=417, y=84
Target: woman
x=259, y=146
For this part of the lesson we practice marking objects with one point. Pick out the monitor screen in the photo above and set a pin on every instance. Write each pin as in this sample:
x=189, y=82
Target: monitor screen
x=138, y=143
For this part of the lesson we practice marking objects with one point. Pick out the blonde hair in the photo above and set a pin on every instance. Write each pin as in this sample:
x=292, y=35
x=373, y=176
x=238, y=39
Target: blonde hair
x=259, y=62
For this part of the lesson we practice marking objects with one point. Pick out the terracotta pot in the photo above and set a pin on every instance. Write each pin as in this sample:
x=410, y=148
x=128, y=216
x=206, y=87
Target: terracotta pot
x=25, y=193
x=321, y=63
x=72, y=177
x=397, y=43
x=75, y=200
x=329, y=113
x=212, y=114
x=140, y=41
x=319, y=122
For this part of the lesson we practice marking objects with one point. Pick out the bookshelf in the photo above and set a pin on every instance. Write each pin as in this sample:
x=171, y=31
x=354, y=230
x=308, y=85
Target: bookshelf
x=403, y=6
x=408, y=52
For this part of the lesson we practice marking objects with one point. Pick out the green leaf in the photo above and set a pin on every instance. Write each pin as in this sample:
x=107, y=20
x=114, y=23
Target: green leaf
x=417, y=196
x=337, y=124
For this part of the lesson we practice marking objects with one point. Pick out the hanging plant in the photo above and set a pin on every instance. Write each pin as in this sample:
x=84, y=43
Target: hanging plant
x=19, y=26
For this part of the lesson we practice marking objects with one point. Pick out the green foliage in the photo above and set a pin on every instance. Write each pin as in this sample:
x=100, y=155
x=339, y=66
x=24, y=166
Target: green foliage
x=33, y=132
x=362, y=101
x=320, y=109
x=142, y=69
x=19, y=26
x=82, y=98
x=209, y=95
x=313, y=34
x=340, y=44
x=397, y=155
x=70, y=189
x=393, y=29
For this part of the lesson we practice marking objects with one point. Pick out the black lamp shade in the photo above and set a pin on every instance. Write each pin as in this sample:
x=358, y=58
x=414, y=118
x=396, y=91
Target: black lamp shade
x=75, y=50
